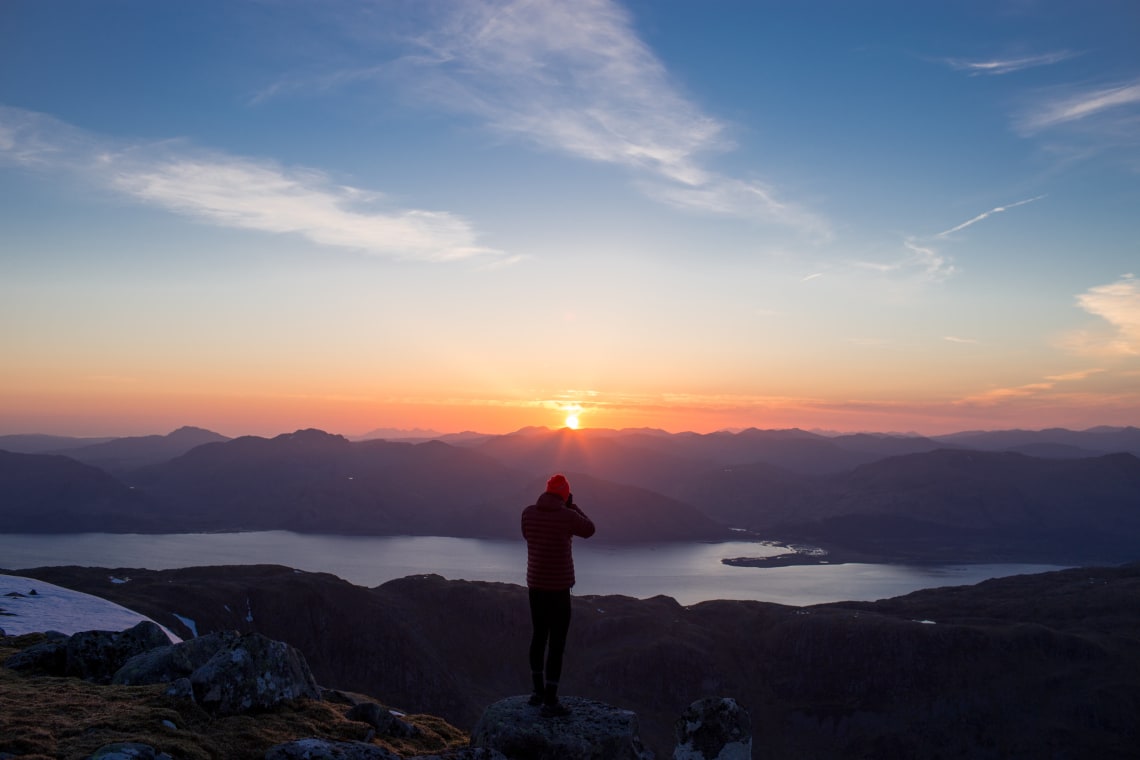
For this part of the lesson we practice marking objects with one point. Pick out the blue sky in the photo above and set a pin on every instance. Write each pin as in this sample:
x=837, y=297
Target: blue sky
x=256, y=216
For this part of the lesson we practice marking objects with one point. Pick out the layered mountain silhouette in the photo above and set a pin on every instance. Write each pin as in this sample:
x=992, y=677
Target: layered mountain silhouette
x=862, y=496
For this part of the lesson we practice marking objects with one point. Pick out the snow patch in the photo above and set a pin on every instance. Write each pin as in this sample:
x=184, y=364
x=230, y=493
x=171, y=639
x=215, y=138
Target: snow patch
x=113, y=579
x=33, y=606
x=189, y=623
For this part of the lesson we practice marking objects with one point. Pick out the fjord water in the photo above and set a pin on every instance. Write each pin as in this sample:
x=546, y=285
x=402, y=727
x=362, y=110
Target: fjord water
x=688, y=572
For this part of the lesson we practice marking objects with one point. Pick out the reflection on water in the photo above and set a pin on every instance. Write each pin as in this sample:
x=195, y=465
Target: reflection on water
x=689, y=573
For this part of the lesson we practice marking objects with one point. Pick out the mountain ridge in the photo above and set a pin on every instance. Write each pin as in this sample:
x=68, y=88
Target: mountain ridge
x=891, y=497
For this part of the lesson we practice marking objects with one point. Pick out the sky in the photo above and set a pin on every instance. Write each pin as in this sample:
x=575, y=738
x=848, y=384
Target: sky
x=256, y=216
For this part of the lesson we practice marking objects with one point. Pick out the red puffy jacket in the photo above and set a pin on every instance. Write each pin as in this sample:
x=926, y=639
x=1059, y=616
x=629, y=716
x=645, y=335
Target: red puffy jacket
x=549, y=527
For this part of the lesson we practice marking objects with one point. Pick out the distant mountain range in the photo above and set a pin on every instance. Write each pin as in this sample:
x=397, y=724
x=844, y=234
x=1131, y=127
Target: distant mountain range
x=114, y=454
x=1049, y=495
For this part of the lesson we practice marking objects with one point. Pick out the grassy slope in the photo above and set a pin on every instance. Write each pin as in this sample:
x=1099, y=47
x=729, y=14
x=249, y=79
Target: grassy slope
x=45, y=717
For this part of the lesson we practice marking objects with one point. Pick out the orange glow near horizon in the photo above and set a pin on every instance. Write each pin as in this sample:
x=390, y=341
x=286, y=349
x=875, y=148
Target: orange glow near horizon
x=126, y=413
x=573, y=416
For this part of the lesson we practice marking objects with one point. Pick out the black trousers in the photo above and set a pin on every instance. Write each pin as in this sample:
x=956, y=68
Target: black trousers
x=550, y=620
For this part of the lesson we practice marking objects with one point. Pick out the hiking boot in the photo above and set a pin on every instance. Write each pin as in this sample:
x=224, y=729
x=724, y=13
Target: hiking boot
x=535, y=700
x=554, y=709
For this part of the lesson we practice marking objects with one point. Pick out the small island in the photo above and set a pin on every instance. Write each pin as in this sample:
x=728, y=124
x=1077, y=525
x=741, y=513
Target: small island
x=799, y=554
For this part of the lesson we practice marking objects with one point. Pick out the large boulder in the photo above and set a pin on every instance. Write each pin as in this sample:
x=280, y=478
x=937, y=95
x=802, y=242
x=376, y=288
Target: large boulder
x=383, y=722
x=323, y=749
x=592, y=731
x=253, y=673
x=169, y=663
x=128, y=751
x=48, y=657
x=465, y=753
x=716, y=728
x=96, y=655
x=227, y=673
x=92, y=655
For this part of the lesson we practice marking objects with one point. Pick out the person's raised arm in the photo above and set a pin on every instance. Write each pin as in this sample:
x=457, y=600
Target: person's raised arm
x=583, y=526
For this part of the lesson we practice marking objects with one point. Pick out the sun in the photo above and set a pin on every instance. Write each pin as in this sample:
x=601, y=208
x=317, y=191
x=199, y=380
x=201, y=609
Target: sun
x=572, y=420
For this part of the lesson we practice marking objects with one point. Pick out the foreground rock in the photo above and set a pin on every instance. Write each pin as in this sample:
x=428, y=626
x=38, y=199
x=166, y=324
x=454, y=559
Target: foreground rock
x=466, y=753
x=320, y=749
x=233, y=677
x=714, y=729
x=91, y=655
x=225, y=673
x=256, y=673
x=592, y=731
x=128, y=751
x=228, y=673
x=167, y=664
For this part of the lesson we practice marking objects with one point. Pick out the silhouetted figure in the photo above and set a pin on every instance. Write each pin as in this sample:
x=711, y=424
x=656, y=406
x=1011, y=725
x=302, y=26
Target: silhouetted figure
x=549, y=526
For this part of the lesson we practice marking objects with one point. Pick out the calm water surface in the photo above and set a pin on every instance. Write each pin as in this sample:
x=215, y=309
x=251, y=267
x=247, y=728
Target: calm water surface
x=689, y=573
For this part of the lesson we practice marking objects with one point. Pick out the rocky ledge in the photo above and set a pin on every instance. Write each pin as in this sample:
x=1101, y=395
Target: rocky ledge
x=228, y=674
x=714, y=728
x=592, y=729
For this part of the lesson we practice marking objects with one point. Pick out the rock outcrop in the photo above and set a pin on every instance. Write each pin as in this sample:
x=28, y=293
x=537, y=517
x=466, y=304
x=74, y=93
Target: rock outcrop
x=256, y=673
x=321, y=749
x=96, y=655
x=225, y=673
x=466, y=753
x=592, y=731
x=91, y=655
x=383, y=722
x=128, y=751
x=222, y=678
x=715, y=728
x=170, y=663
x=228, y=673
x=48, y=657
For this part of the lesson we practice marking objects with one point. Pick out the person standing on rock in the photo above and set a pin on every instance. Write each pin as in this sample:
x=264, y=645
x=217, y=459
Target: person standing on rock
x=549, y=526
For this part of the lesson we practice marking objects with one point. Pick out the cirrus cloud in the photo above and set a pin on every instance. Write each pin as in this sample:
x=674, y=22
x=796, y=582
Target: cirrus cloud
x=1082, y=105
x=572, y=78
x=236, y=191
x=998, y=66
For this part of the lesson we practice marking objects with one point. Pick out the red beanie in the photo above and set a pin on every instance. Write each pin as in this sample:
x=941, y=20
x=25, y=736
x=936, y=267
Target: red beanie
x=558, y=485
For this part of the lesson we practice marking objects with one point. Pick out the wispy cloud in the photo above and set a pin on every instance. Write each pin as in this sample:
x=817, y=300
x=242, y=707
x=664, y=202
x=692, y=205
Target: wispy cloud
x=237, y=192
x=929, y=260
x=987, y=214
x=1117, y=303
x=998, y=66
x=1069, y=377
x=919, y=260
x=956, y=339
x=998, y=395
x=575, y=78
x=925, y=256
x=1045, y=388
x=1083, y=105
